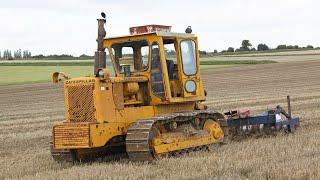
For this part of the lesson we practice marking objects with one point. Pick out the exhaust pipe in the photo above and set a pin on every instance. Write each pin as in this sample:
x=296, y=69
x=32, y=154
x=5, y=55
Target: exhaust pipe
x=100, y=54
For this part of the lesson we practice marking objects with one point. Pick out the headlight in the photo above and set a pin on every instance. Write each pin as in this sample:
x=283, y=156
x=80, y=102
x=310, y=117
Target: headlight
x=101, y=74
x=190, y=86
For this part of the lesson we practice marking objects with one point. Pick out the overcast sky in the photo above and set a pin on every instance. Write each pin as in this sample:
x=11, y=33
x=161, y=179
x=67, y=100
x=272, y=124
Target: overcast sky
x=70, y=27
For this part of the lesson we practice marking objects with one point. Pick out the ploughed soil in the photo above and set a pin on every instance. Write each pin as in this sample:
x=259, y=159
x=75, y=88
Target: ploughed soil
x=27, y=113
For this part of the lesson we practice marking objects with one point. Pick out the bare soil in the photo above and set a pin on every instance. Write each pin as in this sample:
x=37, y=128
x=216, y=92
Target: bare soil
x=27, y=113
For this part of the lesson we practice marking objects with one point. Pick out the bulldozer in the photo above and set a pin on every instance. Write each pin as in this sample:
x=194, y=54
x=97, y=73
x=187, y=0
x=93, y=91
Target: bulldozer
x=142, y=100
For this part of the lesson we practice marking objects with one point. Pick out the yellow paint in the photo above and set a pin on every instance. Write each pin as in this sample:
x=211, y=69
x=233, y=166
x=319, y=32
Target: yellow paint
x=213, y=128
x=174, y=146
x=171, y=108
x=137, y=101
x=55, y=76
x=102, y=133
x=179, y=140
x=75, y=135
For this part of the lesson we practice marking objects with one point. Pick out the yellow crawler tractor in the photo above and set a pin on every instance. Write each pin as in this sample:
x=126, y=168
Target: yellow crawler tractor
x=141, y=99
x=145, y=99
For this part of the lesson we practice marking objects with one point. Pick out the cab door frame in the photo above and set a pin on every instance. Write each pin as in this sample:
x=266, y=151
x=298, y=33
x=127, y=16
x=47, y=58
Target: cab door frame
x=198, y=95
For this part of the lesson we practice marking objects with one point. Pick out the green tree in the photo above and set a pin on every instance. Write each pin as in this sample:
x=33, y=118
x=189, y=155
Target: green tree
x=262, y=47
x=202, y=53
x=19, y=54
x=245, y=45
x=290, y=47
x=26, y=54
x=9, y=54
x=310, y=47
x=15, y=55
x=230, y=49
x=84, y=56
x=4, y=54
x=215, y=51
x=282, y=47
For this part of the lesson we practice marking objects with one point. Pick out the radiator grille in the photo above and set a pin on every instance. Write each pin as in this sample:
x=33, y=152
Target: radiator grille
x=80, y=104
x=71, y=135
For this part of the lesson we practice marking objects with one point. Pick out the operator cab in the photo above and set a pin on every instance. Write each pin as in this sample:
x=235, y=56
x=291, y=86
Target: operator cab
x=169, y=60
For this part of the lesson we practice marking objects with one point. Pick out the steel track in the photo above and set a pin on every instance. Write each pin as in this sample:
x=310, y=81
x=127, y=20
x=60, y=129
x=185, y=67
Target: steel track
x=137, y=140
x=138, y=136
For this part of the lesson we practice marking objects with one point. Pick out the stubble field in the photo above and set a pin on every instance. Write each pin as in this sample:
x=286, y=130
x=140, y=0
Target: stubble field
x=27, y=113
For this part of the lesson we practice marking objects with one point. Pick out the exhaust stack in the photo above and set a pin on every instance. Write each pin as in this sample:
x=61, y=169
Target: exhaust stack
x=100, y=54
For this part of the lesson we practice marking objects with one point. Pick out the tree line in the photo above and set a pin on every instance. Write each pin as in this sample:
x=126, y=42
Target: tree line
x=26, y=54
x=17, y=54
x=247, y=46
x=62, y=57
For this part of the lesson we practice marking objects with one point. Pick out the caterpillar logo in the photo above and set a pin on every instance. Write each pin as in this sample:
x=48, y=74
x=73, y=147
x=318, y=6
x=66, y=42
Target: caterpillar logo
x=80, y=81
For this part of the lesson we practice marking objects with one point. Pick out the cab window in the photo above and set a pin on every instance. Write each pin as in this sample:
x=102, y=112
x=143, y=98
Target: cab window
x=156, y=72
x=132, y=53
x=188, y=56
x=171, y=57
x=169, y=50
x=145, y=56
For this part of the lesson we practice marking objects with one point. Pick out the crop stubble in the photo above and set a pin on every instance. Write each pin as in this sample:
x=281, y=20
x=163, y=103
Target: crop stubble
x=29, y=111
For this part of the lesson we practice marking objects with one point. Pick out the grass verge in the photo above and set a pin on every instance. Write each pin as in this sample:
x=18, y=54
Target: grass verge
x=33, y=74
x=46, y=63
x=88, y=63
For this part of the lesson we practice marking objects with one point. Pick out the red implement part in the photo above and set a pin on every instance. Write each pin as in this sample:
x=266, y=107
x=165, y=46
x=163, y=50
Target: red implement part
x=244, y=113
x=240, y=113
x=149, y=29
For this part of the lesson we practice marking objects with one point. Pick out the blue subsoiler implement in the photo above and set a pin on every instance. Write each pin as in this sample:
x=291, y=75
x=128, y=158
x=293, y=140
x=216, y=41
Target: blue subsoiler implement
x=271, y=120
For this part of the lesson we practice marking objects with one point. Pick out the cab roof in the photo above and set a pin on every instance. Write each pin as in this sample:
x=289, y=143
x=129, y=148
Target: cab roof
x=157, y=33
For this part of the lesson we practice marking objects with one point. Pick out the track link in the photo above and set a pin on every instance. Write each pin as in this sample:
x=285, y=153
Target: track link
x=137, y=140
x=141, y=132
